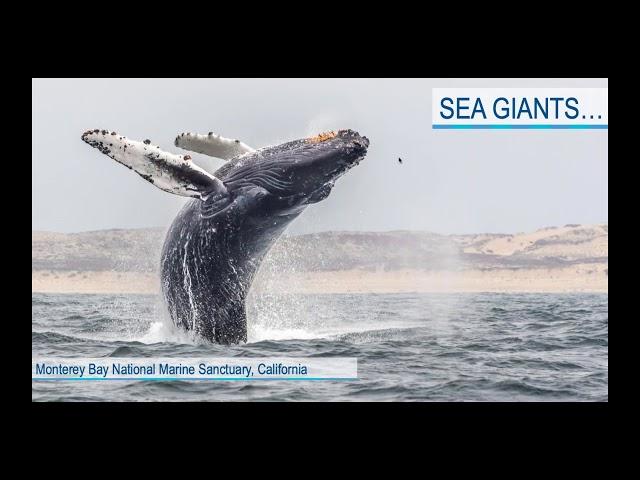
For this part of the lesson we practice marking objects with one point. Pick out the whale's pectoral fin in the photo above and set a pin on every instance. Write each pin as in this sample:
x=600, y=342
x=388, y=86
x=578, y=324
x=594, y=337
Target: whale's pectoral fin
x=212, y=145
x=171, y=173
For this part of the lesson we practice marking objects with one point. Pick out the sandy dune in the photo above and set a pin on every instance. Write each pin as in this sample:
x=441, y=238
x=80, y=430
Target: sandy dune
x=568, y=241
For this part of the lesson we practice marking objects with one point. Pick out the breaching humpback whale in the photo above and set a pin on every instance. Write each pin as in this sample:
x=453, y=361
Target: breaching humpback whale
x=218, y=240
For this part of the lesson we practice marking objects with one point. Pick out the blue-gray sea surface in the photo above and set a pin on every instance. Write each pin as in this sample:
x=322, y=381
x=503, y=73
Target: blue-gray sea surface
x=410, y=347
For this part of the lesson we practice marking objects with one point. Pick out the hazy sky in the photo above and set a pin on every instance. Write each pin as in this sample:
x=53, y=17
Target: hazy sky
x=449, y=182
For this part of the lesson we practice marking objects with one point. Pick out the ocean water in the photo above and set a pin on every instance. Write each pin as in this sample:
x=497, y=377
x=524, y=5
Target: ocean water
x=410, y=347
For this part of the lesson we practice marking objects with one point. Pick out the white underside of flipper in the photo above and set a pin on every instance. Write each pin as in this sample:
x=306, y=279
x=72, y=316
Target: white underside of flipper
x=212, y=145
x=172, y=173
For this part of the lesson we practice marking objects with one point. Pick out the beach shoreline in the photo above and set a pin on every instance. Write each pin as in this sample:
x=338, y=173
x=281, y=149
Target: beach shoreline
x=587, y=278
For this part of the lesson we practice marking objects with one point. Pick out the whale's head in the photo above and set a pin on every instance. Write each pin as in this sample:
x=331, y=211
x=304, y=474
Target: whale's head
x=299, y=172
x=315, y=163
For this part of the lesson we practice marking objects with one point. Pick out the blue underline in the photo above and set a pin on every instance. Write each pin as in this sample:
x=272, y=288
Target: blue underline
x=189, y=379
x=466, y=126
